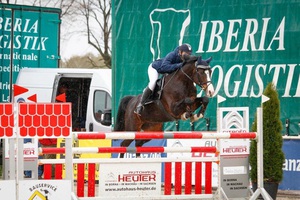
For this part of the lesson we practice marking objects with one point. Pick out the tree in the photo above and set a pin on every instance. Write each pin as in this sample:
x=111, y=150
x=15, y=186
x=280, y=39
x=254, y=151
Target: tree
x=273, y=156
x=98, y=12
x=87, y=61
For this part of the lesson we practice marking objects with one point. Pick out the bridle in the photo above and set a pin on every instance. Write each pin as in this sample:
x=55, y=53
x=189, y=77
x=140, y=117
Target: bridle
x=199, y=83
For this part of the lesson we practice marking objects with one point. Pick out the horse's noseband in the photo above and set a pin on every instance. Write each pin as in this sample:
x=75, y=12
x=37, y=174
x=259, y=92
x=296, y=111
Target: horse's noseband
x=202, y=66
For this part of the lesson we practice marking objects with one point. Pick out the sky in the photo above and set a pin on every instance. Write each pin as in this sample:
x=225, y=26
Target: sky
x=73, y=40
x=75, y=45
x=72, y=43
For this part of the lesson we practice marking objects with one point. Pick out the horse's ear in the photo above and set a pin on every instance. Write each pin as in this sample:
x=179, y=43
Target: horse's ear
x=208, y=60
x=199, y=60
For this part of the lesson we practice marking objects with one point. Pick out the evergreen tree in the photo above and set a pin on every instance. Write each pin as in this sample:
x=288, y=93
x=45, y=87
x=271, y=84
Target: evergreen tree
x=273, y=156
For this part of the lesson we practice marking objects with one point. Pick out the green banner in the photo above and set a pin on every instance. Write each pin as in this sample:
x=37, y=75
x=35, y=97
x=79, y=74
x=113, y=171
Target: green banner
x=252, y=43
x=29, y=37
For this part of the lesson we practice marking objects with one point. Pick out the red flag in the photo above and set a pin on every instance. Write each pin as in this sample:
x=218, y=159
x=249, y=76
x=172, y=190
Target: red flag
x=19, y=90
x=61, y=97
x=32, y=98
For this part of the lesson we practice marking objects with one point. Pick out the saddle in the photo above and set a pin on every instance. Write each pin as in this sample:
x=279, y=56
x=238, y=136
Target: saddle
x=156, y=94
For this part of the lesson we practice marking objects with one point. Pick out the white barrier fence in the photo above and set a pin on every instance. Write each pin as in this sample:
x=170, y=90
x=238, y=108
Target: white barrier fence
x=62, y=116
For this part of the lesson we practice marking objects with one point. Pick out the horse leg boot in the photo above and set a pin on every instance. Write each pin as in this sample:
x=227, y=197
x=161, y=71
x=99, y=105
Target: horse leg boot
x=146, y=94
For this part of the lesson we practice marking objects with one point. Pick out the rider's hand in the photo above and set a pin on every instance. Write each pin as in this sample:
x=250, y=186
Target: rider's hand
x=183, y=63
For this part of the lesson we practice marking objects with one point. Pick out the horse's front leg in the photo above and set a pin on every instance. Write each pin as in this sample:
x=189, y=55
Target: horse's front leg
x=181, y=106
x=203, y=102
x=184, y=105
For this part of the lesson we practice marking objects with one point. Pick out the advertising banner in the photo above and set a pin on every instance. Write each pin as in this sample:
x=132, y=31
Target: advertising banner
x=291, y=167
x=194, y=143
x=29, y=37
x=251, y=44
x=142, y=179
x=86, y=143
x=45, y=189
x=8, y=189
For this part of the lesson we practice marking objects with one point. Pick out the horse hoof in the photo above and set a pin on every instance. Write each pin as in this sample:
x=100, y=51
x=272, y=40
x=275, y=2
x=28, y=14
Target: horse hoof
x=200, y=116
x=184, y=116
x=195, y=117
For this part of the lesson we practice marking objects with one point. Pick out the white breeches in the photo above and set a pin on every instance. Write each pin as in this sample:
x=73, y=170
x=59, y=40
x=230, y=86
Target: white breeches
x=153, y=76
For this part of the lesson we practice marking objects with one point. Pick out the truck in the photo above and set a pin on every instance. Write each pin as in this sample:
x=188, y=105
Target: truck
x=30, y=38
x=89, y=91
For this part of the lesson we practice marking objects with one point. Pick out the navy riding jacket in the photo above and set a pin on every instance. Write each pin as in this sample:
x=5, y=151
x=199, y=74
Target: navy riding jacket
x=169, y=63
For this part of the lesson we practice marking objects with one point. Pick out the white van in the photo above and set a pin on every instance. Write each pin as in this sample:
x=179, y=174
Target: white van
x=89, y=91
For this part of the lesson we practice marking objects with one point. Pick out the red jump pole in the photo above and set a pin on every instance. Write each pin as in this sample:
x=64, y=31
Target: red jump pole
x=153, y=149
x=168, y=178
x=91, y=179
x=188, y=178
x=80, y=180
x=178, y=178
x=165, y=135
x=208, y=178
x=198, y=178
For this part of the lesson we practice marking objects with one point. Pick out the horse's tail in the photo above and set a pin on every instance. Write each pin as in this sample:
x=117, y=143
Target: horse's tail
x=120, y=121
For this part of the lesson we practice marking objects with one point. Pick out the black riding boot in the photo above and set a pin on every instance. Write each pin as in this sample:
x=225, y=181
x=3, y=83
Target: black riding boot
x=146, y=94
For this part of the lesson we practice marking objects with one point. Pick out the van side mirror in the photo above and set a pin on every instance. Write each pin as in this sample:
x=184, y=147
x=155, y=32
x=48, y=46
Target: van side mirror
x=106, y=117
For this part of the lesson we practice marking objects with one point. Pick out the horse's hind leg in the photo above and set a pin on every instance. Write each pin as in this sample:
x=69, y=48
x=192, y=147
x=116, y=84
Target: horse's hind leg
x=125, y=143
x=148, y=127
x=139, y=143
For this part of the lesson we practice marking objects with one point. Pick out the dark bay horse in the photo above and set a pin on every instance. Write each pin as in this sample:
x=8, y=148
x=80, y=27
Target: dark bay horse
x=178, y=101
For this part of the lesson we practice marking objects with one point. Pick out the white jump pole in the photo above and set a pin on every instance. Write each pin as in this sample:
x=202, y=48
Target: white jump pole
x=260, y=165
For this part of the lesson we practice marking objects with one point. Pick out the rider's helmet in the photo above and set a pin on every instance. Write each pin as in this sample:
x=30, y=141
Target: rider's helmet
x=186, y=48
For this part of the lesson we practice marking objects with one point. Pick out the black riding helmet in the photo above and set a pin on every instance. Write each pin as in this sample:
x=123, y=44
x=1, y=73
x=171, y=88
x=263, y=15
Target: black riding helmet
x=186, y=48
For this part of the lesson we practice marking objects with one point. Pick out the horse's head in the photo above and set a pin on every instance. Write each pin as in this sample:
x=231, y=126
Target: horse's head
x=201, y=74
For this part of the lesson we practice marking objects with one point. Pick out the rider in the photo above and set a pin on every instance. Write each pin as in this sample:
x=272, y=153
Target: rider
x=172, y=62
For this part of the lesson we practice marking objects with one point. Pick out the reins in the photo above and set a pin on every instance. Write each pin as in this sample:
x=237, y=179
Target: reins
x=199, y=84
x=170, y=78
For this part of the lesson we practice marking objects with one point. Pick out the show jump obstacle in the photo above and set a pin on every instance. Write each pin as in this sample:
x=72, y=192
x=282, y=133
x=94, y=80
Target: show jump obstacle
x=137, y=178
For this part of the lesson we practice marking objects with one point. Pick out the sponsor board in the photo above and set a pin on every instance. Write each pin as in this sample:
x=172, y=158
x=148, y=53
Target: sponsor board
x=8, y=189
x=140, y=179
x=193, y=143
x=291, y=166
x=30, y=150
x=45, y=189
x=85, y=143
x=234, y=153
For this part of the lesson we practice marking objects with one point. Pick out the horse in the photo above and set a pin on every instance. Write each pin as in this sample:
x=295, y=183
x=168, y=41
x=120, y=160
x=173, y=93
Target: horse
x=178, y=100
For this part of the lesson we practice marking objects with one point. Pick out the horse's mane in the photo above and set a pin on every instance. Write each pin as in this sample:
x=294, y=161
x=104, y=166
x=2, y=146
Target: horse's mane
x=195, y=58
x=192, y=58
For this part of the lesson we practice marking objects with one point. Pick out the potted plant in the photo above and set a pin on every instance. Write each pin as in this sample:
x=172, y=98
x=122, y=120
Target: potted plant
x=273, y=156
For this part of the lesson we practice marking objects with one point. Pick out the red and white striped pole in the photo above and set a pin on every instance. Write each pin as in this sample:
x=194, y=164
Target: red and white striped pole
x=80, y=150
x=164, y=135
